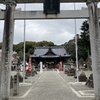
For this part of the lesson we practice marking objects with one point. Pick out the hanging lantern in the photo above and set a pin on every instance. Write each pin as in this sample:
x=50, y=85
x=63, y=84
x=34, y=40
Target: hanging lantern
x=51, y=6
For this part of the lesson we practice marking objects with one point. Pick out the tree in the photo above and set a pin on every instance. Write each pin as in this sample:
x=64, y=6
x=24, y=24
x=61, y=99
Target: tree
x=29, y=49
x=0, y=45
x=84, y=41
x=45, y=43
x=70, y=48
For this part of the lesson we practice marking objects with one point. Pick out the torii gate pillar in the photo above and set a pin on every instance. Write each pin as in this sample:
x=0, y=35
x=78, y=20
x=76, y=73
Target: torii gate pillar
x=7, y=47
x=95, y=44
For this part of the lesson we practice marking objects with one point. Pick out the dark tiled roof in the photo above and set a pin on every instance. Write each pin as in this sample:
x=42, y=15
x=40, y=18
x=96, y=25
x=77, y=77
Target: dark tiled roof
x=56, y=50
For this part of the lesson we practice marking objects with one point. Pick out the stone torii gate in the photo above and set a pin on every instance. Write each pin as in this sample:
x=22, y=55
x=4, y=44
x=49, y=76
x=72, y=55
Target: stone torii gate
x=11, y=14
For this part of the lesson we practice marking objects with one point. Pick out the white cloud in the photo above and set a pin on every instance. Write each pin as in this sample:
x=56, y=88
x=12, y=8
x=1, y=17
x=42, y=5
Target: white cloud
x=63, y=37
x=57, y=31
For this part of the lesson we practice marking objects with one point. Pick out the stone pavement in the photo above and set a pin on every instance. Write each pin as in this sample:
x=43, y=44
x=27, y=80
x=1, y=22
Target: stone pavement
x=80, y=89
x=51, y=85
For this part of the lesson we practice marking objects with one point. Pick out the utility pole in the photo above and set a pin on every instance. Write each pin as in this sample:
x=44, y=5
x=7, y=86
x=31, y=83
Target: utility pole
x=76, y=50
x=24, y=62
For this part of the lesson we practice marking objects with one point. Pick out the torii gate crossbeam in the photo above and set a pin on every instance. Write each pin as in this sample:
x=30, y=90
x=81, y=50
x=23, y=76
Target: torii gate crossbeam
x=68, y=14
x=41, y=1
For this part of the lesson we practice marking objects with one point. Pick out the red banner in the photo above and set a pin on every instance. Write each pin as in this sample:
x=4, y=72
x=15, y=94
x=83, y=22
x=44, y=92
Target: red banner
x=60, y=66
x=29, y=65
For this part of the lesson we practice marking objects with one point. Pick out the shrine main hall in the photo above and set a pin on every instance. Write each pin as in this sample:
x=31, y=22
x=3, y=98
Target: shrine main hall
x=50, y=56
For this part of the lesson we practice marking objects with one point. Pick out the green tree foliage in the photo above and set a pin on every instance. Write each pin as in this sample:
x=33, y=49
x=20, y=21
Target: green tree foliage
x=84, y=41
x=29, y=47
x=0, y=45
x=45, y=43
x=70, y=48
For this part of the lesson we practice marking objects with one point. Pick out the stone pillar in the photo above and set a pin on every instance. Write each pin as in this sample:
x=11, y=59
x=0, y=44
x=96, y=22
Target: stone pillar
x=95, y=44
x=41, y=70
x=7, y=47
x=16, y=84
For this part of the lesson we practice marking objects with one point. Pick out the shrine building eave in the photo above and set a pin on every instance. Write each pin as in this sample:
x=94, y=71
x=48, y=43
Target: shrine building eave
x=50, y=52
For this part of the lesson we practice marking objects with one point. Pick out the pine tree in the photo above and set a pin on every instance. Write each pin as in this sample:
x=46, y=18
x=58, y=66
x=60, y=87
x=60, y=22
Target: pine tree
x=84, y=41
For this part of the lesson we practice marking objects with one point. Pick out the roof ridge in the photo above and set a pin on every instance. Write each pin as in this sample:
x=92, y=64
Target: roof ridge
x=46, y=47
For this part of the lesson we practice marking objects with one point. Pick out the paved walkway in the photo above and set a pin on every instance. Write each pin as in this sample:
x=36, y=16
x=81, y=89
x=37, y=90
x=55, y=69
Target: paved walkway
x=54, y=86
